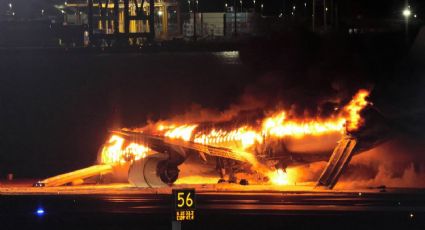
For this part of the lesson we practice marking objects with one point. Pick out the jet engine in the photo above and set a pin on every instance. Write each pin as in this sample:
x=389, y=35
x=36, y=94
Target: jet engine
x=153, y=171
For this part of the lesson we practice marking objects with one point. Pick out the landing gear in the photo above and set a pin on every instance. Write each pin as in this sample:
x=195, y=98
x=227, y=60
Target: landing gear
x=231, y=169
x=168, y=172
x=243, y=182
x=221, y=170
x=232, y=178
x=221, y=180
x=281, y=165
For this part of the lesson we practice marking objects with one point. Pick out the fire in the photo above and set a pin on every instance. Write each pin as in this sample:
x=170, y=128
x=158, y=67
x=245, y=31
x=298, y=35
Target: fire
x=278, y=177
x=281, y=177
x=183, y=132
x=114, y=153
x=277, y=126
x=242, y=138
x=197, y=180
x=354, y=108
x=245, y=135
x=162, y=127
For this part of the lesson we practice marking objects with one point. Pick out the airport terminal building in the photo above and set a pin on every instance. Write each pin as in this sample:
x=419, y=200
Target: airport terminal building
x=126, y=18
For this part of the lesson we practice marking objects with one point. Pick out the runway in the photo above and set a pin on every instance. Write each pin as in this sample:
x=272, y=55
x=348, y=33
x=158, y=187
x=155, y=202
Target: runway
x=229, y=207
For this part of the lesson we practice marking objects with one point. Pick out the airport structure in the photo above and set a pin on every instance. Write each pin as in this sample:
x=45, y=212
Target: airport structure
x=103, y=23
x=114, y=20
x=137, y=21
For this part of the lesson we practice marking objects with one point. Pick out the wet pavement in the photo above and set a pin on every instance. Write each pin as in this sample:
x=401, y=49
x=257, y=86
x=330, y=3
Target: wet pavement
x=132, y=208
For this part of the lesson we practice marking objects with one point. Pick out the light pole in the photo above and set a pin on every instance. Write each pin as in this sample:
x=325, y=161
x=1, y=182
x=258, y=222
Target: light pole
x=313, y=16
x=11, y=9
x=235, y=17
x=407, y=13
x=325, y=9
x=195, y=10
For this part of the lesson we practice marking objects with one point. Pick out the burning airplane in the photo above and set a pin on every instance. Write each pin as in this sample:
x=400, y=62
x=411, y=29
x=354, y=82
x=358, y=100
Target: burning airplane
x=264, y=146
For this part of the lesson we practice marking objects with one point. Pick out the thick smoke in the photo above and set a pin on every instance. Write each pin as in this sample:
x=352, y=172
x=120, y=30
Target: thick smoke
x=297, y=71
x=269, y=94
x=400, y=162
x=397, y=163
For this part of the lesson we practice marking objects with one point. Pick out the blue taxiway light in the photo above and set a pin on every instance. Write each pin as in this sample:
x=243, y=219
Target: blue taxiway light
x=40, y=212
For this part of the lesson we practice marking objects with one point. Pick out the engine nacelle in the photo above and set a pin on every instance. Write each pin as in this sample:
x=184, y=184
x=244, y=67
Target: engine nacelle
x=153, y=171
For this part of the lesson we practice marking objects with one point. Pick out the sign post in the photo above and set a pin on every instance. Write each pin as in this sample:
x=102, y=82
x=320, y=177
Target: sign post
x=184, y=206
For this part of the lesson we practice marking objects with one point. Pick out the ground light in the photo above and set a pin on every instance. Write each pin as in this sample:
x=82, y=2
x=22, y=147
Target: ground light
x=40, y=212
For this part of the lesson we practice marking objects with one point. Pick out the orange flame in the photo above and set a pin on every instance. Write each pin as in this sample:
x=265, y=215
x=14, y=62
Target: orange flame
x=183, y=132
x=356, y=105
x=277, y=126
x=244, y=134
x=280, y=177
x=242, y=138
x=114, y=153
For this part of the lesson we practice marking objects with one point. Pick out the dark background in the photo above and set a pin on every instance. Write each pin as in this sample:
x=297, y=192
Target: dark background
x=57, y=105
x=56, y=109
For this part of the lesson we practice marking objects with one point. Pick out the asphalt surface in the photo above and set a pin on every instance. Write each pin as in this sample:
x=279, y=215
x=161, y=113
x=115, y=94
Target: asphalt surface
x=399, y=209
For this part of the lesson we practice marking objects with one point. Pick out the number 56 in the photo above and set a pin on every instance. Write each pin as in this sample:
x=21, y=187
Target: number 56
x=181, y=201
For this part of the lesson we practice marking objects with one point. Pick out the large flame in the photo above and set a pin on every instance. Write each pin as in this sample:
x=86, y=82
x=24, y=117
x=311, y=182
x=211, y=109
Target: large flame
x=240, y=139
x=284, y=177
x=114, y=152
x=356, y=105
x=183, y=132
x=278, y=177
x=277, y=125
x=245, y=135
